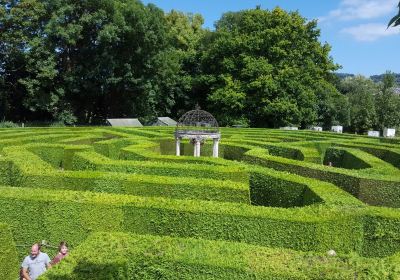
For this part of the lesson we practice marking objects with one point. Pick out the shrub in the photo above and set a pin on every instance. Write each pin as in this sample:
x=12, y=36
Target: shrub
x=8, y=124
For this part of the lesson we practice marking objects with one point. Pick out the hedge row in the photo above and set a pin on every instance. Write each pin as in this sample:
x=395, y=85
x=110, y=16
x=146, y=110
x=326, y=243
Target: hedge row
x=388, y=154
x=32, y=139
x=275, y=149
x=139, y=132
x=22, y=168
x=351, y=158
x=280, y=189
x=73, y=215
x=122, y=256
x=345, y=158
x=58, y=155
x=112, y=148
x=372, y=187
x=72, y=157
x=147, y=150
x=93, y=161
x=8, y=258
x=313, y=151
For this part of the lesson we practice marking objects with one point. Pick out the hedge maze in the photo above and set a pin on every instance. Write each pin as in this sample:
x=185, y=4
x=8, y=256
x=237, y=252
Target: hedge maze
x=270, y=207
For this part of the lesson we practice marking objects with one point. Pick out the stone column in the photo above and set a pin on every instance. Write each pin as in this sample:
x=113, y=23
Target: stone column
x=197, y=148
x=178, y=146
x=215, y=147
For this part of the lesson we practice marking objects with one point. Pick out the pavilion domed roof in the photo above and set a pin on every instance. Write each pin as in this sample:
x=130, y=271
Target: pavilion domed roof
x=199, y=120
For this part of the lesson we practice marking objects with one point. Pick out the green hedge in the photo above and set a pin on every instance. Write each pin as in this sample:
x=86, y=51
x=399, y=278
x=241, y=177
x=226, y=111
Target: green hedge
x=33, y=139
x=265, y=184
x=372, y=187
x=9, y=262
x=381, y=229
x=58, y=155
x=92, y=161
x=72, y=216
x=388, y=154
x=112, y=148
x=273, y=192
x=123, y=256
x=147, y=150
x=24, y=169
x=344, y=158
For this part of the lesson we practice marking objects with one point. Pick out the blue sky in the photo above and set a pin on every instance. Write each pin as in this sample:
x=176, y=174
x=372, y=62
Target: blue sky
x=356, y=29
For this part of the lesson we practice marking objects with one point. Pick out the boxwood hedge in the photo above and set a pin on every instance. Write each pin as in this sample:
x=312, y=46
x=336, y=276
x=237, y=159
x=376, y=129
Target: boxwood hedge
x=370, y=187
x=123, y=256
x=8, y=257
x=76, y=182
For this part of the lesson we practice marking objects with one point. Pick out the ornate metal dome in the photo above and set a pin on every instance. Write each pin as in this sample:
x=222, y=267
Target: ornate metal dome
x=198, y=120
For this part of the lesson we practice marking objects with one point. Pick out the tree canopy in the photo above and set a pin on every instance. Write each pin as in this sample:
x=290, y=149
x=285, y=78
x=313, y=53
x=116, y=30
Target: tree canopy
x=85, y=61
x=263, y=67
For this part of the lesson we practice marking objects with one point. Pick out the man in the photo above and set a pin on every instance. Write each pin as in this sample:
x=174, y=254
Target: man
x=36, y=263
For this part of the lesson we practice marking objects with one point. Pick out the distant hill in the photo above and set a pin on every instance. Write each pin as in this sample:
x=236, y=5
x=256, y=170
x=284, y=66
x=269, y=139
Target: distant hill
x=379, y=78
x=375, y=78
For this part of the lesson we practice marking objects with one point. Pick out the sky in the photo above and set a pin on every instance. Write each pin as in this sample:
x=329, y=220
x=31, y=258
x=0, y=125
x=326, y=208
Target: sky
x=355, y=29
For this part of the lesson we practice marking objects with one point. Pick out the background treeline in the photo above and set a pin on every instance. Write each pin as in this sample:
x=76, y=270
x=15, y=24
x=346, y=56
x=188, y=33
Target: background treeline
x=380, y=78
x=84, y=61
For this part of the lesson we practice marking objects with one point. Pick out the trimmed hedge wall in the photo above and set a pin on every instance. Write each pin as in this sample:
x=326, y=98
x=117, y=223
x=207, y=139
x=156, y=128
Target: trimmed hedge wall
x=264, y=180
x=343, y=158
x=388, y=154
x=67, y=215
x=21, y=173
x=8, y=258
x=73, y=215
x=112, y=148
x=122, y=256
x=93, y=161
x=372, y=188
x=147, y=150
x=273, y=192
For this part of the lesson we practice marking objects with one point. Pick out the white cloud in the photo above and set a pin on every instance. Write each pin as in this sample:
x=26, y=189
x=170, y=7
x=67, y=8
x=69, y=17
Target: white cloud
x=361, y=9
x=370, y=32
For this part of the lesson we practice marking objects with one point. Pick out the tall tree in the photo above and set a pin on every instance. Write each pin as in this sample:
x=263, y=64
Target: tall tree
x=361, y=93
x=271, y=58
x=387, y=103
x=20, y=23
x=333, y=107
x=86, y=59
x=185, y=33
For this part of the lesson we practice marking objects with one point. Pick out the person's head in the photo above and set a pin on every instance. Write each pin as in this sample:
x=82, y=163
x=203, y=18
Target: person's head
x=63, y=247
x=35, y=250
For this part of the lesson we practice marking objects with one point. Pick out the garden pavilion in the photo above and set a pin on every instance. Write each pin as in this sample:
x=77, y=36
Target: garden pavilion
x=197, y=126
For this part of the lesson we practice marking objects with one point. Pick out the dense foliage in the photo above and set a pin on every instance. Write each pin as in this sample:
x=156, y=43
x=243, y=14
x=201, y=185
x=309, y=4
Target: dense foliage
x=264, y=67
x=84, y=61
x=372, y=106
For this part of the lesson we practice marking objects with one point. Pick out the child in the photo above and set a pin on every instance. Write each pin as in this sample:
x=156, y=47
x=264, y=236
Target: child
x=62, y=253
